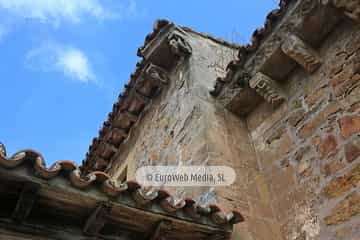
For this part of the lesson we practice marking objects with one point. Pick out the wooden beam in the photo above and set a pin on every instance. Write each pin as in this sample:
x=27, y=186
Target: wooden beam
x=26, y=201
x=159, y=231
x=97, y=219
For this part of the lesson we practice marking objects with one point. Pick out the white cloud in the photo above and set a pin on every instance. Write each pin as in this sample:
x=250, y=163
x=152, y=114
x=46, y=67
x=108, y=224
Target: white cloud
x=72, y=62
x=73, y=11
x=75, y=64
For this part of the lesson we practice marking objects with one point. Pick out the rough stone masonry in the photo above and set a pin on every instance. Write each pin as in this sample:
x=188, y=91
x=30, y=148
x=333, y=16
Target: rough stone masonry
x=284, y=113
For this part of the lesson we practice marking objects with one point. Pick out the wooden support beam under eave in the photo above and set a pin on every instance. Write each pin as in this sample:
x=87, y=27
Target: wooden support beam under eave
x=25, y=202
x=97, y=220
x=160, y=230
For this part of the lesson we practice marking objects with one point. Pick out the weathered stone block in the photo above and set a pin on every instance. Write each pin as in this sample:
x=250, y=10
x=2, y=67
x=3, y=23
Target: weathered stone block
x=335, y=164
x=304, y=168
x=348, y=231
x=342, y=76
x=349, y=125
x=352, y=149
x=314, y=123
x=296, y=116
x=341, y=185
x=344, y=210
x=316, y=96
x=327, y=145
x=346, y=86
x=302, y=159
x=355, y=106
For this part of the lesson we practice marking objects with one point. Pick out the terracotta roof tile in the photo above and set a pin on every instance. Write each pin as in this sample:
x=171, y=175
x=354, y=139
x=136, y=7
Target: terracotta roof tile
x=101, y=180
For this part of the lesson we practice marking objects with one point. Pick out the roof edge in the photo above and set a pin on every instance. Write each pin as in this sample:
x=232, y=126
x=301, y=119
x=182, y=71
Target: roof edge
x=104, y=183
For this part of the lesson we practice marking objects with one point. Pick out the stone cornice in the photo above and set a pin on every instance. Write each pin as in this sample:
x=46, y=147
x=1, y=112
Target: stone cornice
x=300, y=28
x=164, y=48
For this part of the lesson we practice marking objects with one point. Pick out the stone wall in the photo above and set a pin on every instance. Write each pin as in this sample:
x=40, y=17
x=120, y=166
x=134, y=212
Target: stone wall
x=184, y=126
x=297, y=160
x=309, y=147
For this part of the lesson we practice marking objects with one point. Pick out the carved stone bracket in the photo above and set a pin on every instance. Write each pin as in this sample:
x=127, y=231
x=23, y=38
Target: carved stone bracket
x=135, y=102
x=167, y=47
x=124, y=120
x=303, y=54
x=178, y=45
x=267, y=88
x=151, y=80
x=161, y=228
x=100, y=163
x=106, y=150
x=26, y=201
x=115, y=136
x=156, y=74
x=97, y=219
x=351, y=8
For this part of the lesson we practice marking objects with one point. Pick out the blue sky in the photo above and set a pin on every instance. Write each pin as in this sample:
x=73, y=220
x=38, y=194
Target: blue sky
x=63, y=62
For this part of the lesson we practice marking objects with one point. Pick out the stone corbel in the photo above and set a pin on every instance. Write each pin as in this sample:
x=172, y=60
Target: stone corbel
x=124, y=119
x=25, y=202
x=267, y=88
x=106, y=150
x=351, y=8
x=137, y=98
x=100, y=163
x=178, y=45
x=303, y=54
x=166, y=47
x=157, y=74
x=135, y=102
x=115, y=136
x=151, y=80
